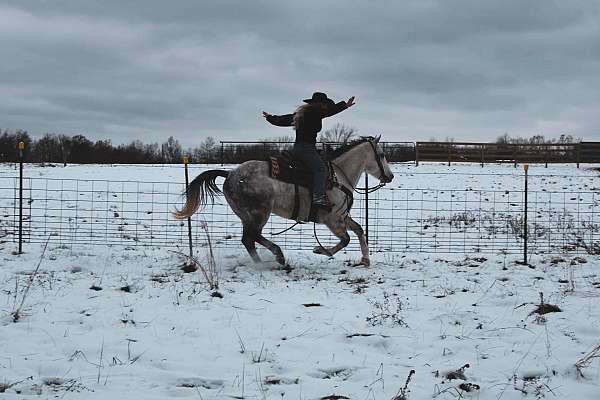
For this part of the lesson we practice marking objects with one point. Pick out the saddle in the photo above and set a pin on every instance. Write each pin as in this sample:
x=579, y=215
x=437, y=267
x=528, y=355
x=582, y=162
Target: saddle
x=286, y=168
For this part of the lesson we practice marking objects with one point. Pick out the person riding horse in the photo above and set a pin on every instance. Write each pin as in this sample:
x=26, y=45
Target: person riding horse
x=307, y=121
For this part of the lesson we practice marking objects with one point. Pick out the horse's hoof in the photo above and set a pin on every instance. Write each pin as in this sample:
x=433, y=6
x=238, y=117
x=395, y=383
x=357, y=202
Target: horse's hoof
x=321, y=250
x=287, y=268
x=364, y=262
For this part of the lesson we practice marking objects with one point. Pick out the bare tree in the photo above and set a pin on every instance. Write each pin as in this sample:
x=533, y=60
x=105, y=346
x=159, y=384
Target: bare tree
x=65, y=148
x=339, y=133
x=278, y=139
x=171, y=151
x=504, y=139
x=206, y=152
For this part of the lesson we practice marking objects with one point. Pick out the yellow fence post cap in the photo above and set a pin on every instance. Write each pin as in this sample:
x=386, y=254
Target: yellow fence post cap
x=186, y=159
x=526, y=167
x=21, y=145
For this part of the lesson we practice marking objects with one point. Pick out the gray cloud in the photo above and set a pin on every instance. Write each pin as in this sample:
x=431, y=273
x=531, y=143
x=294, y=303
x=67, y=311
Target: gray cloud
x=149, y=69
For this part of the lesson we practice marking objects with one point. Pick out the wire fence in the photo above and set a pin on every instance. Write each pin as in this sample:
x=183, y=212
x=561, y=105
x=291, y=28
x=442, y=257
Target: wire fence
x=425, y=220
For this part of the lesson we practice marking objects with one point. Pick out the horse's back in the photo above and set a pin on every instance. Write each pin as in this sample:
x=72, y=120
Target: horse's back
x=250, y=189
x=249, y=176
x=248, y=185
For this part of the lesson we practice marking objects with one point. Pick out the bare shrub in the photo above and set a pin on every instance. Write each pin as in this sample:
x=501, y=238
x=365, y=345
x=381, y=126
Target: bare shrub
x=403, y=391
x=17, y=313
x=387, y=310
x=209, y=268
x=544, y=308
x=466, y=218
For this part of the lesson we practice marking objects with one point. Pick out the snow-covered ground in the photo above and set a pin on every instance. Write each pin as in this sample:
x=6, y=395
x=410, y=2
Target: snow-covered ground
x=126, y=322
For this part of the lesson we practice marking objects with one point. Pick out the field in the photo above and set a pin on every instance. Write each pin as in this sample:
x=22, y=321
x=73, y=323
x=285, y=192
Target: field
x=82, y=319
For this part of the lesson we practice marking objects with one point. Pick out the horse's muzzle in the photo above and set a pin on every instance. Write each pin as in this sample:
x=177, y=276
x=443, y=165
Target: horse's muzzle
x=386, y=179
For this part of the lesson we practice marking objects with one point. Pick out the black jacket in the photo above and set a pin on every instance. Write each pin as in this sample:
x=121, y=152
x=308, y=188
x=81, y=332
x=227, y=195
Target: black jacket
x=308, y=120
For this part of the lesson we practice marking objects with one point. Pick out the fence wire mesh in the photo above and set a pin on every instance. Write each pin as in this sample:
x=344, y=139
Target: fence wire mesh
x=426, y=220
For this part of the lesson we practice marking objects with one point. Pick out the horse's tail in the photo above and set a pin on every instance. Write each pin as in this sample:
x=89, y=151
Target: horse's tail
x=198, y=191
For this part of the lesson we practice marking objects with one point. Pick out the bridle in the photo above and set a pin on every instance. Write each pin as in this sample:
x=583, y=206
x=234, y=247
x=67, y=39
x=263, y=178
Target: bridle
x=379, y=163
x=365, y=190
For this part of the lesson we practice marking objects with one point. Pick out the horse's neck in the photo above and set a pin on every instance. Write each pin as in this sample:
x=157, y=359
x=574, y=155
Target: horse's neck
x=352, y=163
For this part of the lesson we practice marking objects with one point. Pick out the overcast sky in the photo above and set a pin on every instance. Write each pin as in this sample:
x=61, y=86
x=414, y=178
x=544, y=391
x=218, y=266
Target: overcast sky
x=148, y=69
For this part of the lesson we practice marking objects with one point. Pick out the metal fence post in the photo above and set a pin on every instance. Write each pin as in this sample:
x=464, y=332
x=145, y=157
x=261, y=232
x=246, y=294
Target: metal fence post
x=21, y=148
x=525, y=235
x=482, y=156
x=189, y=220
x=222, y=154
x=366, y=207
x=417, y=154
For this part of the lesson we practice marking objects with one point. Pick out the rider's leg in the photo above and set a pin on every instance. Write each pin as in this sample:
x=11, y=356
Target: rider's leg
x=309, y=155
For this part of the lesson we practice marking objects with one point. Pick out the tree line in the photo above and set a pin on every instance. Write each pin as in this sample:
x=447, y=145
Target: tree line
x=537, y=139
x=78, y=149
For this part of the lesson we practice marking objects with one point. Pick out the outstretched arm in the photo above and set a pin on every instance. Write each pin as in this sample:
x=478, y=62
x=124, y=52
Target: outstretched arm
x=339, y=107
x=279, y=120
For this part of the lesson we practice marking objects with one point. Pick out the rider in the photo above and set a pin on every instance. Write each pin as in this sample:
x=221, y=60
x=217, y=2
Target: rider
x=306, y=120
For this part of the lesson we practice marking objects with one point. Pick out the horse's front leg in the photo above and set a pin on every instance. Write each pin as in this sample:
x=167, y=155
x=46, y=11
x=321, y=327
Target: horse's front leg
x=338, y=227
x=364, y=247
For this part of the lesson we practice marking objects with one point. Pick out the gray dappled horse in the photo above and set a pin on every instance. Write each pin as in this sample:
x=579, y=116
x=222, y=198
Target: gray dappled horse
x=254, y=195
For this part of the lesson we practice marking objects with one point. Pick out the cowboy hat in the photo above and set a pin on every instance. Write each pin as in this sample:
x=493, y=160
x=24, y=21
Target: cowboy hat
x=319, y=97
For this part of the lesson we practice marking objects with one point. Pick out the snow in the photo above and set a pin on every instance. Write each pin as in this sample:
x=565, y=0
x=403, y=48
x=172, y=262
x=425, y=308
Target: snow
x=326, y=328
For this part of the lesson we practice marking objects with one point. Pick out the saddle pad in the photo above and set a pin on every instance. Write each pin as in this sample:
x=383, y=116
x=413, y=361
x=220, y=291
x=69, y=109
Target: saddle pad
x=284, y=169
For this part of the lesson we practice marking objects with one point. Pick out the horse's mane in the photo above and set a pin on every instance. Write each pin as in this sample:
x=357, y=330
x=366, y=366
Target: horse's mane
x=343, y=148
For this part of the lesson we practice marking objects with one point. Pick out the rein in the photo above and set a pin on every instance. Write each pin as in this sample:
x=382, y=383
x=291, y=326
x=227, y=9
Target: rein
x=287, y=229
x=366, y=190
x=318, y=241
x=359, y=190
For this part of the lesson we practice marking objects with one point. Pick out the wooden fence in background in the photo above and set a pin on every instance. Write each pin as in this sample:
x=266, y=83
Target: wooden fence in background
x=232, y=152
x=583, y=152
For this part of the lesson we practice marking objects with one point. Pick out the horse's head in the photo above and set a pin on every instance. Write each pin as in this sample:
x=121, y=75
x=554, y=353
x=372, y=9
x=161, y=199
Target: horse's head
x=377, y=165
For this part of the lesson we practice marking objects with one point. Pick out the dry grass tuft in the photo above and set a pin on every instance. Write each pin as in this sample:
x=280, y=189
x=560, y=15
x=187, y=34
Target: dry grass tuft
x=586, y=360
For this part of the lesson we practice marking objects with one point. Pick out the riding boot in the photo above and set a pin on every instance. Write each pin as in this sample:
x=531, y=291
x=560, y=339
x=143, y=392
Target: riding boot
x=321, y=202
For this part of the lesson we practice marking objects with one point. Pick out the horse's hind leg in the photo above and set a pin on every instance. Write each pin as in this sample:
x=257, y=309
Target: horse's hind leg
x=249, y=237
x=364, y=247
x=251, y=197
x=253, y=234
x=273, y=248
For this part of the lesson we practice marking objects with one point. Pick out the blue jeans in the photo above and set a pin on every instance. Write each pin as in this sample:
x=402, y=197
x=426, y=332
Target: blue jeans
x=307, y=153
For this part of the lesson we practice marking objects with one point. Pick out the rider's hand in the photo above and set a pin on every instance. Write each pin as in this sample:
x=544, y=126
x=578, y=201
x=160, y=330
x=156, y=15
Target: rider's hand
x=350, y=102
x=266, y=114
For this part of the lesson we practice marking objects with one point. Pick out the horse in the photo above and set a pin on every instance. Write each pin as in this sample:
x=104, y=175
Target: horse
x=254, y=195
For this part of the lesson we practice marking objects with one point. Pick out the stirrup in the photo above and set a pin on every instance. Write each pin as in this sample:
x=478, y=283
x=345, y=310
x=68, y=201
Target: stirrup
x=321, y=203
x=322, y=206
